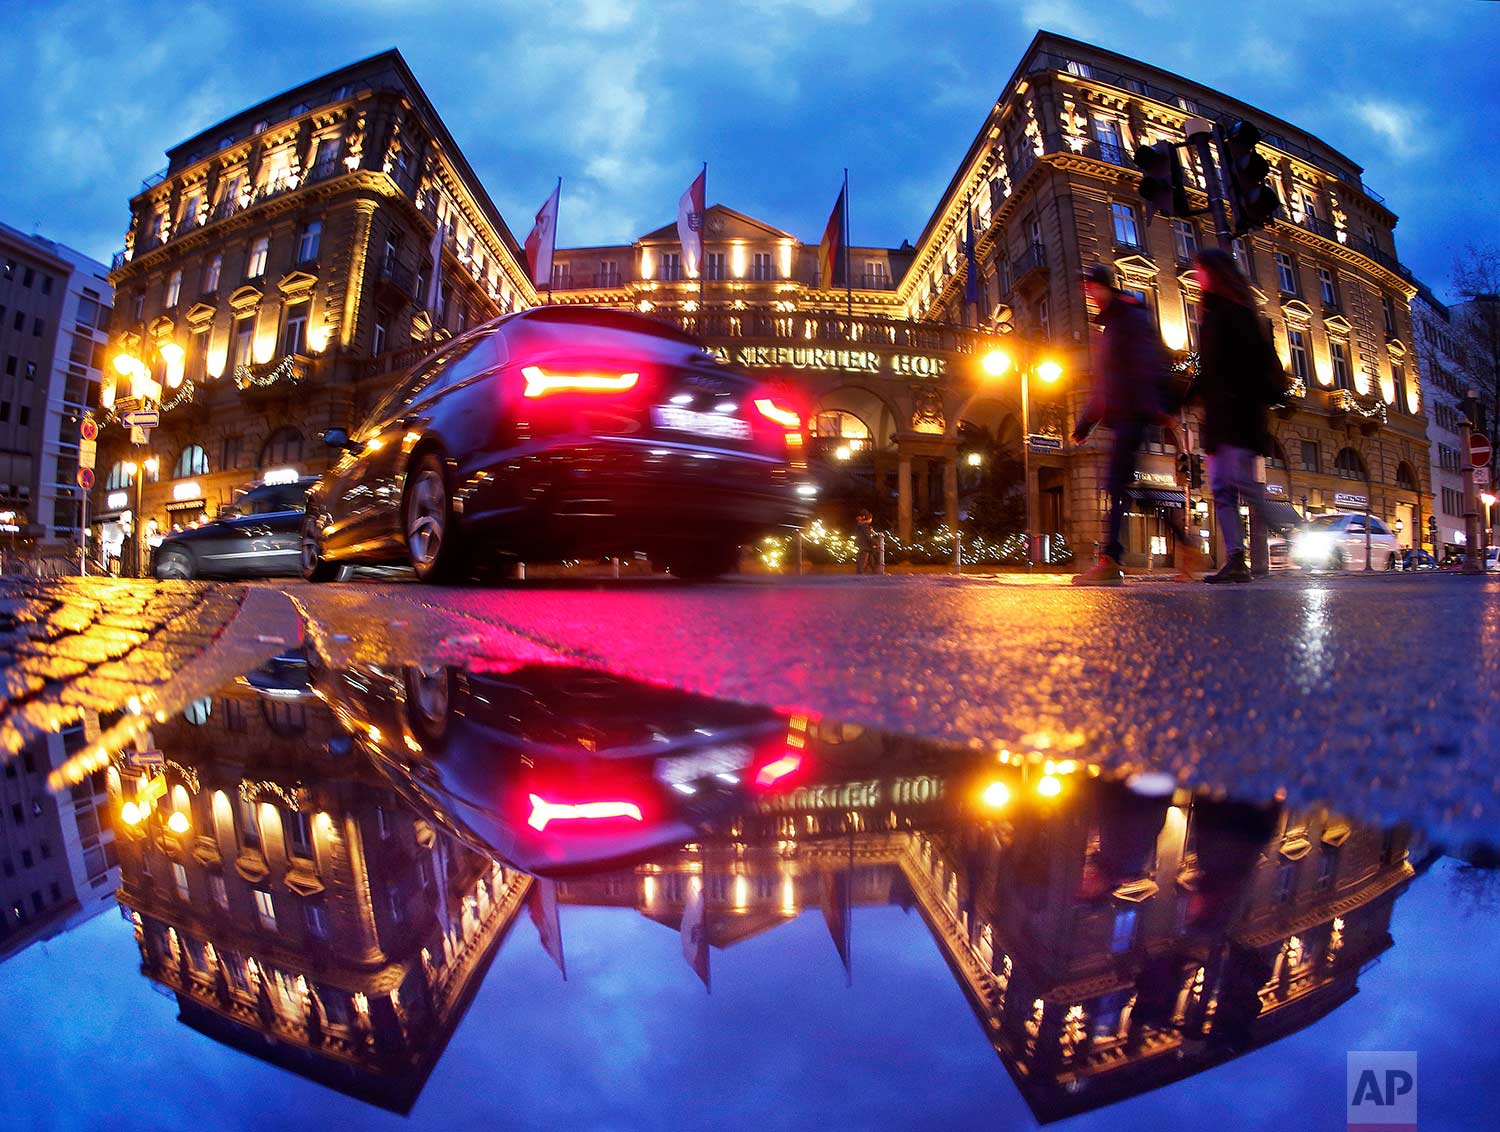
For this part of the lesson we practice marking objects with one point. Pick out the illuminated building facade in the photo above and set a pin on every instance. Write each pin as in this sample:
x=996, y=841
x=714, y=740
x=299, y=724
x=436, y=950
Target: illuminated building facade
x=54, y=312
x=1444, y=383
x=310, y=215
x=273, y=271
x=298, y=910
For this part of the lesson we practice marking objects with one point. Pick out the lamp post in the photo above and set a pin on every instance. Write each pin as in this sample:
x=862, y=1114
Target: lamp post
x=1488, y=499
x=996, y=363
x=138, y=474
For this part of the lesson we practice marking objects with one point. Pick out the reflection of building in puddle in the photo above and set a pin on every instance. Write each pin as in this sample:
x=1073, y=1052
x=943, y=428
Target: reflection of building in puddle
x=297, y=909
x=1108, y=942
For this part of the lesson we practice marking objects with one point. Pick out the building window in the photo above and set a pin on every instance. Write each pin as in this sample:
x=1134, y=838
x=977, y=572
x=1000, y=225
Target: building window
x=760, y=266
x=671, y=266
x=244, y=335
x=317, y=918
x=1398, y=378
x=1044, y=319
x=1388, y=313
x=875, y=274
x=255, y=265
x=174, y=288
x=1286, y=274
x=1127, y=235
x=609, y=270
x=1328, y=290
x=1111, y=148
x=294, y=333
x=1242, y=257
x=714, y=266
x=562, y=276
x=299, y=833
x=1082, y=70
x=1296, y=342
x=1192, y=316
x=307, y=242
x=211, y=275
x=282, y=447
x=1123, y=934
x=1340, y=352
x=1348, y=466
x=219, y=891
x=265, y=908
x=1184, y=240
x=377, y=341
x=179, y=877
x=192, y=462
x=1309, y=204
x=1310, y=456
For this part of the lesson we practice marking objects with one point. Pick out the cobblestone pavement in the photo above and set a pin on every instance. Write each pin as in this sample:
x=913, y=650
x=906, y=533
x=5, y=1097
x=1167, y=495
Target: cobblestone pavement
x=109, y=645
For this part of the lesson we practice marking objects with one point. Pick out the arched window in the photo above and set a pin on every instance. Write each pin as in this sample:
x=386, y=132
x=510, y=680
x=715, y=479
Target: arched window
x=119, y=477
x=1406, y=478
x=839, y=435
x=284, y=446
x=1348, y=466
x=192, y=462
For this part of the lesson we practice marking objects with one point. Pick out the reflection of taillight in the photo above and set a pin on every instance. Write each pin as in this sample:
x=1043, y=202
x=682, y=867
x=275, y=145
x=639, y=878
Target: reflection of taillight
x=543, y=811
x=779, y=414
x=778, y=769
x=540, y=383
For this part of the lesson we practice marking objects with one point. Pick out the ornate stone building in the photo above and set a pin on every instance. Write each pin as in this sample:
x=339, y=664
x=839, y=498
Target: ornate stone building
x=270, y=274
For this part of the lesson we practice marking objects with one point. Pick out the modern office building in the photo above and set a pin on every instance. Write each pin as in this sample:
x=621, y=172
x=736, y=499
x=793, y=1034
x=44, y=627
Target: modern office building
x=54, y=317
x=1444, y=385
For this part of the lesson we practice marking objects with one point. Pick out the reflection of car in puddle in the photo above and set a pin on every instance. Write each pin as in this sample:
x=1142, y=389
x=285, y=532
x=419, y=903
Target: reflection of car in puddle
x=1111, y=932
x=551, y=768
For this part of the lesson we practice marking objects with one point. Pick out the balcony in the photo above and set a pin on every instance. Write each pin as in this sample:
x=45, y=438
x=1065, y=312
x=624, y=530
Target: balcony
x=323, y=170
x=290, y=370
x=875, y=281
x=397, y=280
x=1109, y=152
x=1368, y=412
x=585, y=281
x=1032, y=261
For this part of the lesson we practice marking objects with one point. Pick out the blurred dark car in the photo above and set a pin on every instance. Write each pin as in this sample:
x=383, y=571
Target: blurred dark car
x=259, y=536
x=561, y=432
x=1418, y=560
x=554, y=769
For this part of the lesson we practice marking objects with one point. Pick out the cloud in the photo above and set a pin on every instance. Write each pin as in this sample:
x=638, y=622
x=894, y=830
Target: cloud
x=1402, y=128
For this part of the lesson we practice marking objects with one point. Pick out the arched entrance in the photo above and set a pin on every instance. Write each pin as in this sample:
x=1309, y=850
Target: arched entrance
x=852, y=455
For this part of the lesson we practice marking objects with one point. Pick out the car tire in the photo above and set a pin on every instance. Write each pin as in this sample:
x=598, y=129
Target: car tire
x=428, y=529
x=175, y=565
x=1336, y=562
x=1390, y=562
x=429, y=698
x=315, y=567
x=704, y=561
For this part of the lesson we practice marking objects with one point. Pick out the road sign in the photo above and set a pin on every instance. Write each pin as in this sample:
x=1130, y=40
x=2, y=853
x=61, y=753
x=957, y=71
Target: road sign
x=85, y=478
x=140, y=760
x=88, y=429
x=1481, y=477
x=88, y=451
x=141, y=418
x=1479, y=449
x=138, y=436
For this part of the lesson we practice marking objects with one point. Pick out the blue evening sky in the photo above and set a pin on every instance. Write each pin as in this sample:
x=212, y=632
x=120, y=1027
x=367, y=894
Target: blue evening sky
x=632, y=1041
x=624, y=99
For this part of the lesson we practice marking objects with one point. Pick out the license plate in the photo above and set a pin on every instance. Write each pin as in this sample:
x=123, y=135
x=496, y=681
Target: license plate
x=718, y=425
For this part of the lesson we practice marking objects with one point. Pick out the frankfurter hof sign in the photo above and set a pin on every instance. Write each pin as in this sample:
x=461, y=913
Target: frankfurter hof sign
x=888, y=363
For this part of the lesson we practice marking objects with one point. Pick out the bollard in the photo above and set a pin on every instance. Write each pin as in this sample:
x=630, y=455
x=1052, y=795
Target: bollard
x=799, y=553
x=614, y=564
x=958, y=549
x=880, y=553
x=520, y=571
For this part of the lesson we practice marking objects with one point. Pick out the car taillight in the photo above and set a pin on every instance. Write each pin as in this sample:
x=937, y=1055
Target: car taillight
x=541, y=383
x=783, y=766
x=778, y=414
x=544, y=812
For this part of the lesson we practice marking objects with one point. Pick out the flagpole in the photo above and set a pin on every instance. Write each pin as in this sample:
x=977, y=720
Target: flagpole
x=703, y=254
x=550, y=270
x=848, y=265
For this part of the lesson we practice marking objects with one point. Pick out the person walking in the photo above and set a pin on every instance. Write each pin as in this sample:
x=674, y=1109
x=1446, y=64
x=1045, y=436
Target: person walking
x=1132, y=372
x=864, y=543
x=1239, y=378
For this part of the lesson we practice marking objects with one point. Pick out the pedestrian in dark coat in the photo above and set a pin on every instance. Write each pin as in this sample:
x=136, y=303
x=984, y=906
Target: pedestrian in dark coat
x=1132, y=371
x=864, y=543
x=1239, y=378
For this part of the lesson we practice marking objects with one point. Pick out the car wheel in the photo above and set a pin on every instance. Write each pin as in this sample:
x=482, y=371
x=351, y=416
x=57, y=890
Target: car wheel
x=176, y=565
x=1336, y=562
x=316, y=568
x=427, y=520
x=702, y=562
x=1390, y=562
x=429, y=692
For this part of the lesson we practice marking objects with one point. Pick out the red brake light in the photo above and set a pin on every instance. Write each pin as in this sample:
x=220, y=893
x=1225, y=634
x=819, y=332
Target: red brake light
x=779, y=414
x=540, y=383
x=543, y=811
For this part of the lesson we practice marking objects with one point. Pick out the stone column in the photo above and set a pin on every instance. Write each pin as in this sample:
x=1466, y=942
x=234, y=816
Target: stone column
x=903, y=497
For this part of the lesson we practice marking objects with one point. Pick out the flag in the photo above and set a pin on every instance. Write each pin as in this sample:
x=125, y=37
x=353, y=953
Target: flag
x=542, y=241
x=694, y=933
x=435, y=284
x=543, y=905
x=971, y=274
x=836, y=915
x=690, y=224
x=831, y=249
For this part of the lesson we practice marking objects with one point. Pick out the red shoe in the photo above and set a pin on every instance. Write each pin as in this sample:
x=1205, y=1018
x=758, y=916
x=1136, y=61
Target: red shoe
x=1105, y=572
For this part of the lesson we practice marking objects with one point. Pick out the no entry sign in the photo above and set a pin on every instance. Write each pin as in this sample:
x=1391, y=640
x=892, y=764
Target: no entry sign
x=1479, y=449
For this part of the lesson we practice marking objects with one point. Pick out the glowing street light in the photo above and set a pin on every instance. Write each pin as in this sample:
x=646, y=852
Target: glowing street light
x=996, y=795
x=1049, y=786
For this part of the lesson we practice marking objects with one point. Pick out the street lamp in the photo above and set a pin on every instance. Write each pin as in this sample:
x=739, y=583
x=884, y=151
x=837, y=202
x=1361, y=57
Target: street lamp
x=138, y=474
x=1488, y=499
x=995, y=363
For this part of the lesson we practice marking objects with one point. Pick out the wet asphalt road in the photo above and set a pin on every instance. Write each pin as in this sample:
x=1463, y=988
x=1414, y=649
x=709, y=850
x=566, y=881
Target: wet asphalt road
x=1380, y=694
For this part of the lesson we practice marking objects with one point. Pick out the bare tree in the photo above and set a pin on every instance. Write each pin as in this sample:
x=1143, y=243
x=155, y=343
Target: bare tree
x=1476, y=325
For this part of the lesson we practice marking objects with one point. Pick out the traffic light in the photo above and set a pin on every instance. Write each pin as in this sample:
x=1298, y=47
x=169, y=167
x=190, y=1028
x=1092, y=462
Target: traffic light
x=1184, y=467
x=1250, y=192
x=1163, y=186
x=1195, y=475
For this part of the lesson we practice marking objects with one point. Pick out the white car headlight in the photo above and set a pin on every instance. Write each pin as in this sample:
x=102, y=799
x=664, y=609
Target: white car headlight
x=1313, y=546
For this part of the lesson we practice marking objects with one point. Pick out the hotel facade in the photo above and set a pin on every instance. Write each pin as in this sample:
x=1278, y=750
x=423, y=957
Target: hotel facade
x=278, y=271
